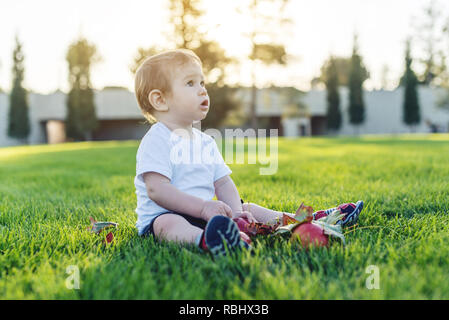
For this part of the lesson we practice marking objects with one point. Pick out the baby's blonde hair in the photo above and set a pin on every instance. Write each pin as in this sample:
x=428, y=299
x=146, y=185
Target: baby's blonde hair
x=156, y=72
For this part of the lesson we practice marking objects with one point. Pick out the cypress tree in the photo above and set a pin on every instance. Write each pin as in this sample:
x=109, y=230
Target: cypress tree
x=81, y=117
x=19, y=123
x=357, y=75
x=411, y=112
x=333, y=96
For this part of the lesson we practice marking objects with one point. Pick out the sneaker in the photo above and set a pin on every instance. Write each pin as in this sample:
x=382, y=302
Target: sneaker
x=222, y=232
x=351, y=213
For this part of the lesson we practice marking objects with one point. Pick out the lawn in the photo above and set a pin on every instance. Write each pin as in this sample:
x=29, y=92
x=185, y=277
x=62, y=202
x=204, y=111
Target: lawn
x=48, y=193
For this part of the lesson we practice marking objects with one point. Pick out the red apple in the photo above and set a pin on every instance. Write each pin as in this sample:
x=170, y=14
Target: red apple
x=310, y=235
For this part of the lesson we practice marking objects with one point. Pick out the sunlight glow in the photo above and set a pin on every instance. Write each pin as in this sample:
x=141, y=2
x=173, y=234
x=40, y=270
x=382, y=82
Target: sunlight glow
x=118, y=28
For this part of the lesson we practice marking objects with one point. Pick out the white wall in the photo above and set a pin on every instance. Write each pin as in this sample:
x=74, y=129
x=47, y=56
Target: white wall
x=384, y=112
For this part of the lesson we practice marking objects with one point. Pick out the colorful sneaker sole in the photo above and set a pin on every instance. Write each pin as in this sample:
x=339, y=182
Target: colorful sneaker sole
x=222, y=232
x=351, y=218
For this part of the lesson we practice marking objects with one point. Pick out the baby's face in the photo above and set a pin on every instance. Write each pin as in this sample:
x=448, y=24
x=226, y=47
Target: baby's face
x=189, y=101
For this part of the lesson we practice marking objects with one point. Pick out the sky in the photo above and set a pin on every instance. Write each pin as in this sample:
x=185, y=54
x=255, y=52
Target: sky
x=320, y=28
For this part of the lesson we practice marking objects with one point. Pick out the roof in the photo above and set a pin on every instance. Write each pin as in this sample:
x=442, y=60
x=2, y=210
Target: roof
x=109, y=104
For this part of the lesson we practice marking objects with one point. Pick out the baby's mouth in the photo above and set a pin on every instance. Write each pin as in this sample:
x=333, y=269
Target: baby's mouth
x=205, y=105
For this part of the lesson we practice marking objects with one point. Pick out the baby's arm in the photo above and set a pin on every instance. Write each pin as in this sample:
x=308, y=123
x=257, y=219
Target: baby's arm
x=226, y=191
x=161, y=191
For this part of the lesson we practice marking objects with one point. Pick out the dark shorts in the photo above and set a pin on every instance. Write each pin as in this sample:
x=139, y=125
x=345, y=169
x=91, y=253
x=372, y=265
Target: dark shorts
x=197, y=222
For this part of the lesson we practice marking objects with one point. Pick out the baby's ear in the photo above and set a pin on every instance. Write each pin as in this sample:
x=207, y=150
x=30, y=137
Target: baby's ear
x=157, y=100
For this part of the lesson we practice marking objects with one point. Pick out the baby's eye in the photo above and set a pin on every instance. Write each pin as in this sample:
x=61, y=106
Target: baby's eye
x=202, y=83
x=190, y=83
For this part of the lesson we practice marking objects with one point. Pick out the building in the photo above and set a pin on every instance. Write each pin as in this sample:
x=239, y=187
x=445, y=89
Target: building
x=119, y=117
x=293, y=112
x=383, y=111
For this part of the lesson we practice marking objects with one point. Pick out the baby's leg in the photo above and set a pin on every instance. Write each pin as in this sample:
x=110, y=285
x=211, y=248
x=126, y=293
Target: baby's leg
x=173, y=227
x=262, y=214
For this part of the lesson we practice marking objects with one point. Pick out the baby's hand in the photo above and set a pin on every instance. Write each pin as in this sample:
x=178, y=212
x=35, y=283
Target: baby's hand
x=246, y=214
x=215, y=208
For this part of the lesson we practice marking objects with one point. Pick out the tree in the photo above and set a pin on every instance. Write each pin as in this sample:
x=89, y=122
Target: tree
x=267, y=51
x=81, y=117
x=330, y=78
x=185, y=18
x=428, y=34
x=357, y=75
x=19, y=123
x=1, y=90
x=189, y=33
x=443, y=97
x=141, y=55
x=411, y=113
x=342, y=65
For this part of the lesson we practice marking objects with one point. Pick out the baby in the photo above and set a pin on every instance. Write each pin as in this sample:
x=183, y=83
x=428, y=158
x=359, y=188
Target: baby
x=179, y=169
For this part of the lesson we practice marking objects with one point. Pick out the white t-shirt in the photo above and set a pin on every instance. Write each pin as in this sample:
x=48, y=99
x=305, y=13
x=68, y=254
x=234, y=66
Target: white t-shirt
x=192, y=165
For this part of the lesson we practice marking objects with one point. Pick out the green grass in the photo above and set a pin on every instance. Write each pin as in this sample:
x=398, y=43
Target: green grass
x=47, y=194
